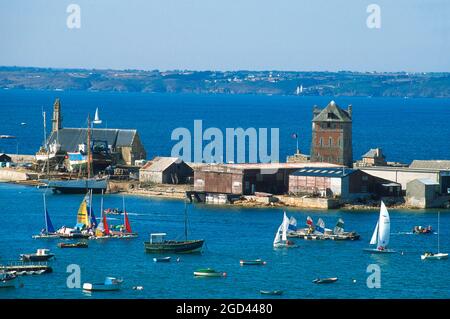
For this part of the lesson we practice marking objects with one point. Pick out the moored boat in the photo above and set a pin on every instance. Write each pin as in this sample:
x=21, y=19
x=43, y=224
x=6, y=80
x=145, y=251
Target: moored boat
x=73, y=245
x=271, y=292
x=438, y=255
x=325, y=280
x=421, y=230
x=8, y=280
x=110, y=284
x=209, y=272
x=49, y=230
x=40, y=255
x=161, y=259
x=252, y=262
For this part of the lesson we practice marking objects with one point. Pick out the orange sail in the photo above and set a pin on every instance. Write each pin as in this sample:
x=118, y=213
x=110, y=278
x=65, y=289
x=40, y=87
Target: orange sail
x=105, y=225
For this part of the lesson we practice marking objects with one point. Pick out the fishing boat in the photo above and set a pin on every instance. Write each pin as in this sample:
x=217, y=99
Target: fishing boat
x=325, y=280
x=8, y=280
x=438, y=255
x=79, y=186
x=110, y=284
x=40, y=255
x=158, y=243
x=209, y=272
x=271, y=292
x=280, y=240
x=381, y=234
x=254, y=262
x=73, y=245
x=422, y=230
x=48, y=231
x=161, y=259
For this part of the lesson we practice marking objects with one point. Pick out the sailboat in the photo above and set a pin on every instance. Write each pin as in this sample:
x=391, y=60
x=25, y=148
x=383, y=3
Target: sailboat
x=280, y=240
x=381, y=234
x=85, y=221
x=102, y=230
x=438, y=255
x=127, y=233
x=158, y=243
x=96, y=118
x=49, y=230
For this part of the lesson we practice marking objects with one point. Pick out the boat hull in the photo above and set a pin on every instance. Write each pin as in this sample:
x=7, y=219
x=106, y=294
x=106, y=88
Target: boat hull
x=324, y=281
x=79, y=186
x=256, y=262
x=376, y=251
x=100, y=287
x=271, y=292
x=209, y=274
x=178, y=247
x=32, y=257
x=434, y=257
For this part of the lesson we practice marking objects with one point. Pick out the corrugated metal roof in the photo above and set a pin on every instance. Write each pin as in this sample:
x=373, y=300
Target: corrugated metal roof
x=159, y=164
x=70, y=138
x=336, y=113
x=427, y=181
x=324, y=171
x=431, y=164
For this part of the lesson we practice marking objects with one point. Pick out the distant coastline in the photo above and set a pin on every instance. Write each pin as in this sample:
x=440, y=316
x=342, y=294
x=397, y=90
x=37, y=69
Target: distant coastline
x=342, y=83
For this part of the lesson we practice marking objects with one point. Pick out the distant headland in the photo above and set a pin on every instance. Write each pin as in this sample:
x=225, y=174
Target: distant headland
x=342, y=83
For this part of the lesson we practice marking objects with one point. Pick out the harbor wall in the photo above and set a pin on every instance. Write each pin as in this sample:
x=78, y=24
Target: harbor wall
x=309, y=202
x=12, y=175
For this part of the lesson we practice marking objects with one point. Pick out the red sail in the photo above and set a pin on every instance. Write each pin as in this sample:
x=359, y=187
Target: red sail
x=127, y=223
x=105, y=225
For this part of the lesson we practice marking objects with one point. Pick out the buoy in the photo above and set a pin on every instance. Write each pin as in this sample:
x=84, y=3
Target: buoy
x=354, y=280
x=138, y=288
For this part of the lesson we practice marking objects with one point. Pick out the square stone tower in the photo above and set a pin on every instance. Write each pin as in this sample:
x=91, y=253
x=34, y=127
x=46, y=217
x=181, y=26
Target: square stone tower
x=332, y=135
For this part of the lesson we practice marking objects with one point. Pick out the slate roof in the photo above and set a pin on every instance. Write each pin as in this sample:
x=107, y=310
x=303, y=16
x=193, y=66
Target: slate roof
x=70, y=138
x=332, y=113
x=431, y=164
x=324, y=172
x=372, y=153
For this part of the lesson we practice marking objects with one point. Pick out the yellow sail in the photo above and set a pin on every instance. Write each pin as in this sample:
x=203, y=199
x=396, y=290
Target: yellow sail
x=83, y=215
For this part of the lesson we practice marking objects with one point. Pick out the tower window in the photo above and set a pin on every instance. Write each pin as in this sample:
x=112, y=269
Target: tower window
x=330, y=141
x=320, y=142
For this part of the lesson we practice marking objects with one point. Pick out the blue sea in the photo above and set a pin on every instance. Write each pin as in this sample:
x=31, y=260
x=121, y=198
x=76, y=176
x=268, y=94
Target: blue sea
x=406, y=129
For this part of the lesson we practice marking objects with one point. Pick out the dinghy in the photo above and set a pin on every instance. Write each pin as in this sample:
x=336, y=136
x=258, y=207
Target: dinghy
x=161, y=259
x=280, y=240
x=325, y=280
x=110, y=284
x=381, y=234
x=252, y=262
x=271, y=292
x=73, y=245
x=438, y=255
x=209, y=272
x=49, y=230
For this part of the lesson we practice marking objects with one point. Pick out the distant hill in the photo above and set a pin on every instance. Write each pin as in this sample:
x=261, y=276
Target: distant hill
x=344, y=83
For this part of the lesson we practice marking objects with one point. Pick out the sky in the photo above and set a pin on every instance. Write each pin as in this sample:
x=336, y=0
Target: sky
x=297, y=35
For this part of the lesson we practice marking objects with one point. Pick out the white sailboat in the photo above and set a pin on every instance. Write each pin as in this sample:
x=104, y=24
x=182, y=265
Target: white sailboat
x=280, y=240
x=97, y=118
x=382, y=232
x=438, y=255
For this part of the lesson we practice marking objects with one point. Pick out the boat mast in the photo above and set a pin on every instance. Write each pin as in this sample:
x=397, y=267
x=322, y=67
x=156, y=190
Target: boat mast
x=185, y=221
x=89, y=147
x=45, y=143
x=439, y=232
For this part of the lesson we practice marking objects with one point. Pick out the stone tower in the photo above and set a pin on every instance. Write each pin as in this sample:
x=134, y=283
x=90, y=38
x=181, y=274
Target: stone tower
x=332, y=135
x=57, y=118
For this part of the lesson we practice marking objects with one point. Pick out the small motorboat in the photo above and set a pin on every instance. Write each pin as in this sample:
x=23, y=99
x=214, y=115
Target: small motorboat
x=73, y=245
x=40, y=255
x=161, y=259
x=8, y=280
x=325, y=280
x=432, y=256
x=422, y=230
x=271, y=292
x=113, y=211
x=208, y=272
x=110, y=284
x=254, y=262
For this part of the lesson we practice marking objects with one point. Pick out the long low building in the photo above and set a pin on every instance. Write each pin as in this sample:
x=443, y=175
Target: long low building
x=247, y=179
x=403, y=175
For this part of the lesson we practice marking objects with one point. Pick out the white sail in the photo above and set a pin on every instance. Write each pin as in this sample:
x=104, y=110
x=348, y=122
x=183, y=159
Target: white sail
x=373, y=241
x=384, y=230
x=285, y=227
x=96, y=118
x=277, y=238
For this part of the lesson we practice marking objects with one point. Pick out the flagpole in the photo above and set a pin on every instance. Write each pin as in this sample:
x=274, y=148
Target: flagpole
x=297, y=144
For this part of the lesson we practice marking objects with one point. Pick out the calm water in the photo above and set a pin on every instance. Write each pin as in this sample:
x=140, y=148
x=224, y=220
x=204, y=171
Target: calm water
x=406, y=129
x=230, y=234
